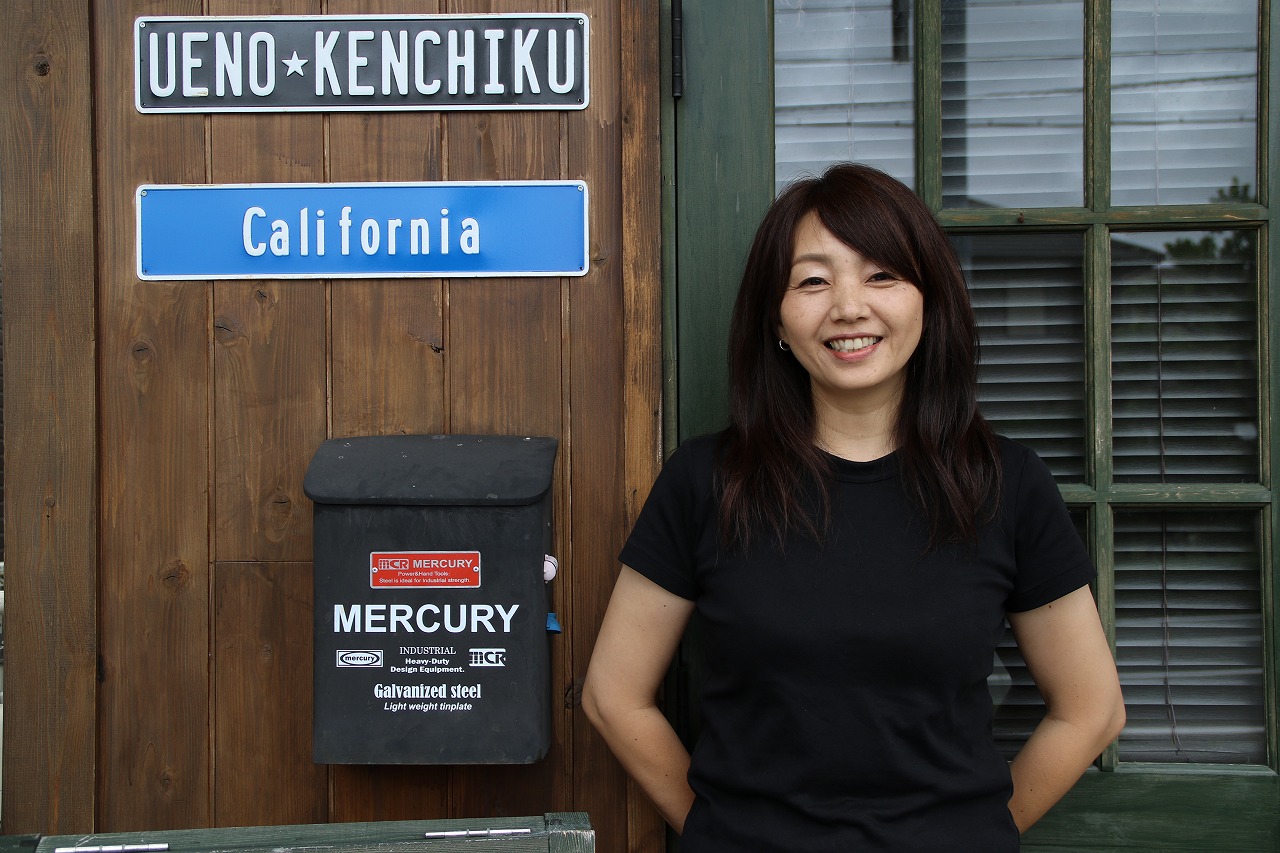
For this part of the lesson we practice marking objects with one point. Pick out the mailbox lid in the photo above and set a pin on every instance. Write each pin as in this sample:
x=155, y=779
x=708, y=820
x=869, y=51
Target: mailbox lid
x=432, y=470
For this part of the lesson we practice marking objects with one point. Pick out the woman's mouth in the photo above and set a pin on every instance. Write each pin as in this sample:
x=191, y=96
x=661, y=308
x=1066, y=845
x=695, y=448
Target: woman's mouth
x=853, y=344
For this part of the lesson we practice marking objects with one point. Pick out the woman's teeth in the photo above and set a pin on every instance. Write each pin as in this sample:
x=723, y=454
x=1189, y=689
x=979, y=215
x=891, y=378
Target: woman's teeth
x=852, y=344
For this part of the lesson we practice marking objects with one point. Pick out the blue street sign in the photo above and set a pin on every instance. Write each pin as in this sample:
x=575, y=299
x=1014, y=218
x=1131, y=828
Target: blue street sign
x=371, y=230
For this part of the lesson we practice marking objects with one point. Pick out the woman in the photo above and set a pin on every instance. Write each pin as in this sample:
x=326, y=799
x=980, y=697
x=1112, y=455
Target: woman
x=853, y=543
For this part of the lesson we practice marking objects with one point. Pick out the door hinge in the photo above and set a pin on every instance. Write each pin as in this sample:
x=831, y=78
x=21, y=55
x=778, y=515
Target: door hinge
x=677, y=49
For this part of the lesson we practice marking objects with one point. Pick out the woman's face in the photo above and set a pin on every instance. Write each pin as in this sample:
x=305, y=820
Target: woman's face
x=850, y=323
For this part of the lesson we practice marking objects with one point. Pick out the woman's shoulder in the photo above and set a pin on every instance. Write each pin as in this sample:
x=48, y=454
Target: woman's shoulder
x=1023, y=470
x=700, y=451
x=1014, y=452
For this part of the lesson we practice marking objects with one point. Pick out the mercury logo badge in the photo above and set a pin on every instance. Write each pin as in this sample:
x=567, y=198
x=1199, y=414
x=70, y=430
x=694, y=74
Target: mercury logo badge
x=488, y=657
x=365, y=659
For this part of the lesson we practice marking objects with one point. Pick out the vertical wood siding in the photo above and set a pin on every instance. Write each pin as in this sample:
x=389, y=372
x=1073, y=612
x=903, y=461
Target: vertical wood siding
x=47, y=267
x=188, y=700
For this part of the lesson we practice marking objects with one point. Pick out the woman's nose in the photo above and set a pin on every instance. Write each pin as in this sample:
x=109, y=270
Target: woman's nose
x=848, y=300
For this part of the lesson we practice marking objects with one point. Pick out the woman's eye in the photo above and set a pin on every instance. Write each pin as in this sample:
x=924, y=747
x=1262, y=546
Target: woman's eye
x=811, y=281
x=883, y=277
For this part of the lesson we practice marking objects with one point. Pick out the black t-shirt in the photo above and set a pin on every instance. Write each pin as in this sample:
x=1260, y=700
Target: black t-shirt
x=845, y=703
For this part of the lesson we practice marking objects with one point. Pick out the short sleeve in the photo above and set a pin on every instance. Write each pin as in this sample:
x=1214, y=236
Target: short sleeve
x=663, y=543
x=1051, y=559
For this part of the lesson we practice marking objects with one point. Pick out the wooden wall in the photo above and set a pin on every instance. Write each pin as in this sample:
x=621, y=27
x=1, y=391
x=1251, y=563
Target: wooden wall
x=159, y=544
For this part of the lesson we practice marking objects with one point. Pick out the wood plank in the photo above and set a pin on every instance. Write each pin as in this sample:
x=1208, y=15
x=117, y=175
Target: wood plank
x=270, y=403
x=46, y=146
x=387, y=357
x=562, y=831
x=1225, y=809
x=640, y=83
x=387, y=368
x=388, y=336
x=725, y=150
x=570, y=833
x=262, y=624
x=505, y=374
x=270, y=339
x=597, y=355
x=388, y=792
x=154, y=378
x=269, y=381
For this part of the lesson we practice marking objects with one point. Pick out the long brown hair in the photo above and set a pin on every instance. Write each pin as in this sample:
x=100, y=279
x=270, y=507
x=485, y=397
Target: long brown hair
x=950, y=460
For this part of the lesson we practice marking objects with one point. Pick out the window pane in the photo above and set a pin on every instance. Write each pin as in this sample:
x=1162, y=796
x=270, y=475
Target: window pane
x=1184, y=94
x=1189, y=637
x=1017, y=702
x=1012, y=103
x=1185, y=356
x=1028, y=296
x=843, y=86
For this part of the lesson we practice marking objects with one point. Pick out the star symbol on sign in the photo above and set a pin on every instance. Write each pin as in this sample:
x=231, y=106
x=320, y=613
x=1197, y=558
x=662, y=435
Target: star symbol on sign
x=295, y=65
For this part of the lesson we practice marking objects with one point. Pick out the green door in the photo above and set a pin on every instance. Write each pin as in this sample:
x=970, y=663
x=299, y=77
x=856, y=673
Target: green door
x=1104, y=167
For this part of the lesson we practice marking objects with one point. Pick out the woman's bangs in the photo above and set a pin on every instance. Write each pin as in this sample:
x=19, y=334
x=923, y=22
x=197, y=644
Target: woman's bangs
x=873, y=231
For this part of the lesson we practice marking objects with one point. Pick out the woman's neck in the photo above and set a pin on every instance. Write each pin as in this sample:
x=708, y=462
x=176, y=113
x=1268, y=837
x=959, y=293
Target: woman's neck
x=856, y=433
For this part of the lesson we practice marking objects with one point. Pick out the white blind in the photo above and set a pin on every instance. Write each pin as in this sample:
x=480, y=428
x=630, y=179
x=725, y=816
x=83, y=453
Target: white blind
x=843, y=86
x=1189, y=636
x=1012, y=103
x=1184, y=359
x=1028, y=297
x=1184, y=99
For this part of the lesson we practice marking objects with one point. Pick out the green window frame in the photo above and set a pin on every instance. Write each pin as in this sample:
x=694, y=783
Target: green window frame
x=718, y=151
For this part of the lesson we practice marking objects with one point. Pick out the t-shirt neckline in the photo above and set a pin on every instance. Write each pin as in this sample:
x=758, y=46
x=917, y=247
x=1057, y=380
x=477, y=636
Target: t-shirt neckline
x=847, y=470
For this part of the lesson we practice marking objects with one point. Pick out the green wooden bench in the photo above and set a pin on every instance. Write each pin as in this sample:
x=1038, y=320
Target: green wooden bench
x=568, y=832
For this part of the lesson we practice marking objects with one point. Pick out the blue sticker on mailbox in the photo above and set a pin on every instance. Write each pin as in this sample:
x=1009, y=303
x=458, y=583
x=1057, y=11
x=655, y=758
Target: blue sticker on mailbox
x=368, y=230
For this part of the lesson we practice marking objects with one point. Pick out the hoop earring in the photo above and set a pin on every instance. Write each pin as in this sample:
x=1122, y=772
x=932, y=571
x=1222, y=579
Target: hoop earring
x=782, y=345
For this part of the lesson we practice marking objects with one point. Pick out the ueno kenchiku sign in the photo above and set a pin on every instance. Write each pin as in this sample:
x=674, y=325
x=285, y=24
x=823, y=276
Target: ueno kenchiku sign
x=363, y=62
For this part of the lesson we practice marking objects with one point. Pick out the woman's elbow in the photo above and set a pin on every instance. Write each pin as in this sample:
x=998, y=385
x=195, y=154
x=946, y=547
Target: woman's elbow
x=1104, y=718
x=1114, y=720
x=591, y=705
x=598, y=703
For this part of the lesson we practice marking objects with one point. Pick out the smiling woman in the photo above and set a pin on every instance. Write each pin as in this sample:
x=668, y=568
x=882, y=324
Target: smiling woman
x=853, y=326
x=1099, y=169
x=858, y=492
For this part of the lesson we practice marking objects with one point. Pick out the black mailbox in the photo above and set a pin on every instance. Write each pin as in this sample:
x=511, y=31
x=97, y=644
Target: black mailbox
x=431, y=642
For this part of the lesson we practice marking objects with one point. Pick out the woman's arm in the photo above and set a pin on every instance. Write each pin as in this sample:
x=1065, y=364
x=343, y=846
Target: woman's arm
x=1068, y=656
x=638, y=638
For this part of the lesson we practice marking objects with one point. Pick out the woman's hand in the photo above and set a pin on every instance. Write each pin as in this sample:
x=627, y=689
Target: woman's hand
x=641, y=630
x=1068, y=656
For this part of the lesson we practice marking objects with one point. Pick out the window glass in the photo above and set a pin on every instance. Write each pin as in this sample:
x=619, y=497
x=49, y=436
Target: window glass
x=1189, y=636
x=1184, y=361
x=1028, y=297
x=1012, y=103
x=1184, y=91
x=843, y=86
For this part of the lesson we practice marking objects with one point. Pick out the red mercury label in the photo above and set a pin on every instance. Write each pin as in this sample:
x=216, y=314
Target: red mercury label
x=404, y=569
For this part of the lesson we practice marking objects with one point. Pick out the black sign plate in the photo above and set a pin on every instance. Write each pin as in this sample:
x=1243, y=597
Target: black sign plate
x=364, y=63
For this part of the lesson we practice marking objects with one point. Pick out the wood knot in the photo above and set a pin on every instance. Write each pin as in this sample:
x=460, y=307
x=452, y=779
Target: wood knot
x=175, y=575
x=142, y=350
x=225, y=330
x=279, y=516
x=41, y=65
